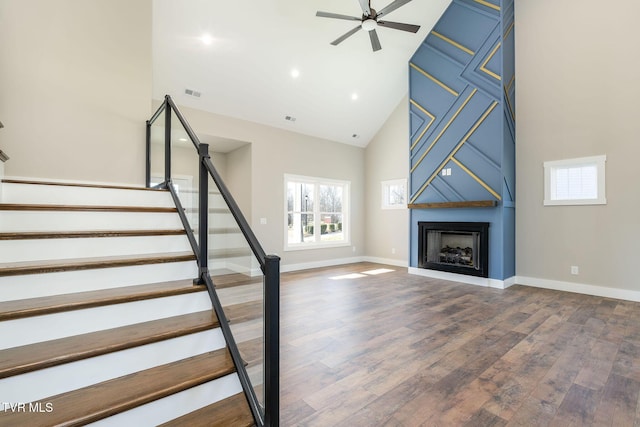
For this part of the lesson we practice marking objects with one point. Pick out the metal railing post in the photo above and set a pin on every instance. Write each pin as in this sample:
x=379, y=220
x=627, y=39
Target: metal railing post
x=167, y=144
x=203, y=219
x=272, y=341
x=147, y=177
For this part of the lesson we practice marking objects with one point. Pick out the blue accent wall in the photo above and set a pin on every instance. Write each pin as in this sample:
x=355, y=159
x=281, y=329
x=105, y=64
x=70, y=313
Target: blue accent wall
x=462, y=121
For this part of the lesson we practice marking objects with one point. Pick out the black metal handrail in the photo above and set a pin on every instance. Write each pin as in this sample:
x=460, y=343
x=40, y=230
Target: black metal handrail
x=269, y=264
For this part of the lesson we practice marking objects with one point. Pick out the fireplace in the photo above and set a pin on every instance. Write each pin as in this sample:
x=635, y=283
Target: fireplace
x=455, y=247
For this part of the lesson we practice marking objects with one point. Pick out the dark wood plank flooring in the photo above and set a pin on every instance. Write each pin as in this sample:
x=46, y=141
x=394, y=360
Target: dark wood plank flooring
x=394, y=349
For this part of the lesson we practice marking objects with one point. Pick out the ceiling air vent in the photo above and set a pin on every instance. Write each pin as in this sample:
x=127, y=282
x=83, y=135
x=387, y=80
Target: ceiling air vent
x=192, y=92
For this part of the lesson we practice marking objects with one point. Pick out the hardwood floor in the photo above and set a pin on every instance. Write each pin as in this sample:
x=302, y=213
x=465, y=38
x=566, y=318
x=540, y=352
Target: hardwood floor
x=394, y=349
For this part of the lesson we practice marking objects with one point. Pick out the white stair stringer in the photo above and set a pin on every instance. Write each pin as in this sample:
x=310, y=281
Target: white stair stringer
x=39, y=385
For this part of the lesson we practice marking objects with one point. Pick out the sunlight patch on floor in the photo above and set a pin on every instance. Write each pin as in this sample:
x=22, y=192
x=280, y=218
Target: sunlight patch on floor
x=363, y=274
x=378, y=271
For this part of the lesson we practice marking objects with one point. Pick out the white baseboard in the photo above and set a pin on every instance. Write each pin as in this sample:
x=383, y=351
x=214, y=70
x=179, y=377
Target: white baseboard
x=580, y=288
x=318, y=264
x=463, y=278
x=387, y=261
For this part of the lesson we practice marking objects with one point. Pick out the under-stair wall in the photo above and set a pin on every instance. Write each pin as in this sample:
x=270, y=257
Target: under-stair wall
x=100, y=319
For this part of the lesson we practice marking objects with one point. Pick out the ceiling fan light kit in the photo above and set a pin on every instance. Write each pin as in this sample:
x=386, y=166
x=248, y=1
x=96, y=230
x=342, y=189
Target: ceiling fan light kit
x=370, y=21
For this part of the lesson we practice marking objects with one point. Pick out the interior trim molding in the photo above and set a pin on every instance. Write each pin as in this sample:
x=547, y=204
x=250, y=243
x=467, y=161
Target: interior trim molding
x=463, y=278
x=579, y=288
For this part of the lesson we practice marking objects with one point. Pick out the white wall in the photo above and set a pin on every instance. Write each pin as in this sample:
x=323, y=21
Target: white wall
x=275, y=152
x=75, y=79
x=577, y=65
x=386, y=158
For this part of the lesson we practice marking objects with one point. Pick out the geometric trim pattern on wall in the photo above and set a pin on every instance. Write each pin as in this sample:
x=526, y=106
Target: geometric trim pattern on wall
x=458, y=101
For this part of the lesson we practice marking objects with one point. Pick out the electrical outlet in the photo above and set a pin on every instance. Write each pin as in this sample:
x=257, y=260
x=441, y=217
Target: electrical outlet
x=393, y=250
x=263, y=221
x=353, y=248
x=574, y=269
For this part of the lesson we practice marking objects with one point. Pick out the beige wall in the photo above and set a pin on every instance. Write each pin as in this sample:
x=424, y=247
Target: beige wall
x=577, y=65
x=75, y=85
x=238, y=177
x=275, y=152
x=386, y=158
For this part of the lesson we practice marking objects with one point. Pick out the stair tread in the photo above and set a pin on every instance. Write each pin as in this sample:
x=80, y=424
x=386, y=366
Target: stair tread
x=244, y=312
x=89, y=404
x=79, y=300
x=32, y=235
x=27, y=358
x=224, y=280
x=232, y=411
x=77, y=184
x=90, y=208
x=51, y=266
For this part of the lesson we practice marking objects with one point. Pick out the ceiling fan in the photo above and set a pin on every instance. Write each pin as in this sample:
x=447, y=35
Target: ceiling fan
x=370, y=20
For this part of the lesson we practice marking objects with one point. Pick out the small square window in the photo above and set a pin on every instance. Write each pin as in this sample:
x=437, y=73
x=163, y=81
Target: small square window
x=578, y=181
x=394, y=194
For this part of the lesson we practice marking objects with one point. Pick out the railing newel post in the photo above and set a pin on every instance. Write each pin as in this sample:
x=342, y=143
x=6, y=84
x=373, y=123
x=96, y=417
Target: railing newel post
x=272, y=340
x=203, y=203
x=147, y=176
x=167, y=141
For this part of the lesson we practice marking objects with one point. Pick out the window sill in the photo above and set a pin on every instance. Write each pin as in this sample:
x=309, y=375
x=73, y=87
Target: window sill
x=307, y=247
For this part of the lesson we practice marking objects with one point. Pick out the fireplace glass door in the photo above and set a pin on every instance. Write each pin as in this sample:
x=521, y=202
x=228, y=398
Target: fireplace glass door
x=454, y=247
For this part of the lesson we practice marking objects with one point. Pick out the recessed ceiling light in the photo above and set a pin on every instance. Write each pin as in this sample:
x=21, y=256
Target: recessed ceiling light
x=354, y=96
x=295, y=73
x=206, y=39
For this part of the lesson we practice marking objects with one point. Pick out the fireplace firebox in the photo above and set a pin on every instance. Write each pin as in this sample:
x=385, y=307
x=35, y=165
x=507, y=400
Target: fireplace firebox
x=455, y=247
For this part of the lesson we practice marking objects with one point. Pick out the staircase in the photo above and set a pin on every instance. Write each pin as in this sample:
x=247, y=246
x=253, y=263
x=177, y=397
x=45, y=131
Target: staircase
x=99, y=317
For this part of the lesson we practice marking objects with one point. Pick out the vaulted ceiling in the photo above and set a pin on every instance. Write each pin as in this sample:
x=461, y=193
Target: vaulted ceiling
x=245, y=69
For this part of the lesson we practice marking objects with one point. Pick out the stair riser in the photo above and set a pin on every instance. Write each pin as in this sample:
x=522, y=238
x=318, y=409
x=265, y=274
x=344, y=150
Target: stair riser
x=176, y=405
x=16, y=221
x=48, y=249
x=68, y=195
x=31, y=330
x=38, y=285
x=38, y=385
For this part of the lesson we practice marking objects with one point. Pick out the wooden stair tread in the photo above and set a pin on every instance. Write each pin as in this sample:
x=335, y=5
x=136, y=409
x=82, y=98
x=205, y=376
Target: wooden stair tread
x=252, y=351
x=244, y=312
x=98, y=401
x=32, y=235
x=230, y=280
x=52, y=266
x=74, y=184
x=232, y=411
x=75, y=301
x=27, y=358
x=87, y=208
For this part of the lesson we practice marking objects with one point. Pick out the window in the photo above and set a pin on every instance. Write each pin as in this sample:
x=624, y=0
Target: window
x=575, y=181
x=394, y=194
x=317, y=212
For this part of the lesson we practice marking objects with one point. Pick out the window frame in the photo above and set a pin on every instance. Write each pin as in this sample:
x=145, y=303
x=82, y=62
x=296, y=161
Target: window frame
x=385, y=188
x=550, y=171
x=346, y=208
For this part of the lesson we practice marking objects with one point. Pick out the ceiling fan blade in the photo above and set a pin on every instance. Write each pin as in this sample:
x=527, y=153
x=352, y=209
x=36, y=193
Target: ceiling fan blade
x=366, y=7
x=400, y=26
x=345, y=36
x=392, y=6
x=337, y=16
x=375, y=41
